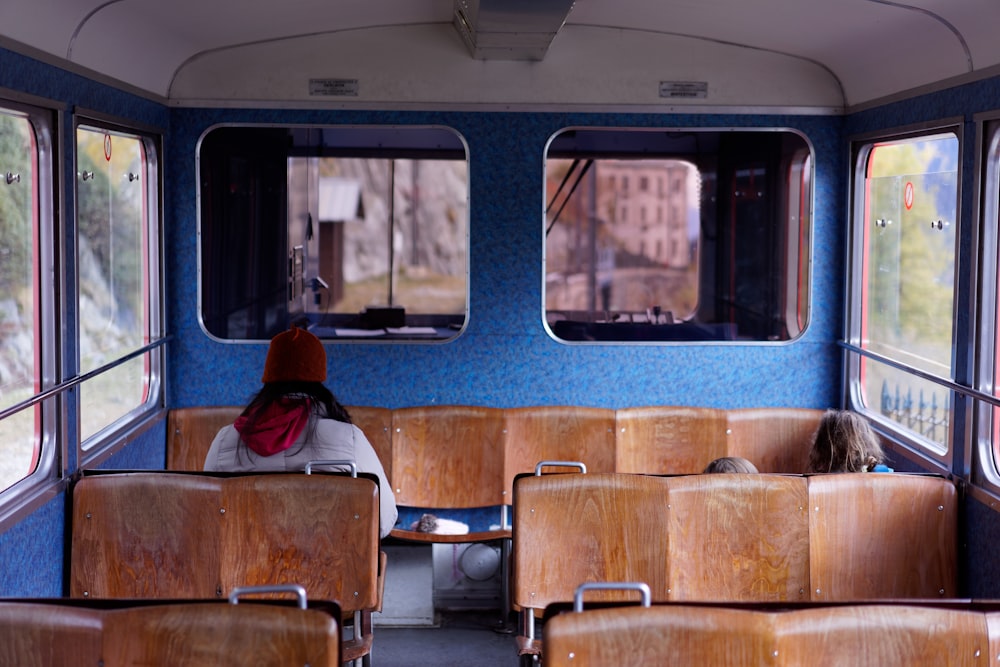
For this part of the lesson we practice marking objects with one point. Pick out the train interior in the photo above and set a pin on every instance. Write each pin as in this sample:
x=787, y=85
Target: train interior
x=266, y=127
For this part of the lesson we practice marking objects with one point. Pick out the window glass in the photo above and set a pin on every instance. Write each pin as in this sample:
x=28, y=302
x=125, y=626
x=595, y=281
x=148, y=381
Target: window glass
x=114, y=247
x=356, y=233
x=654, y=236
x=907, y=267
x=19, y=354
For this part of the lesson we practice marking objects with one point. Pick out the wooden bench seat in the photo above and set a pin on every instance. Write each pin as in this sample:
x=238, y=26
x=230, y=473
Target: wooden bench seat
x=64, y=633
x=450, y=459
x=188, y=535
x=876, y=635
x=732, y=538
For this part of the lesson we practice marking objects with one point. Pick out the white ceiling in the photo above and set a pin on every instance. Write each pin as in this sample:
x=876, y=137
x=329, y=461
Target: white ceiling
x=821, y=53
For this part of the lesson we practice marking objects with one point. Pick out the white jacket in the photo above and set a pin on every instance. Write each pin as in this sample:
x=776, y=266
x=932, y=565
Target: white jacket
x=320, y=439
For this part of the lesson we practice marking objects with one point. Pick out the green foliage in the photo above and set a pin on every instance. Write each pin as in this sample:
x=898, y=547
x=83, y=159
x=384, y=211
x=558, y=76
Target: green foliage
x=16, y=216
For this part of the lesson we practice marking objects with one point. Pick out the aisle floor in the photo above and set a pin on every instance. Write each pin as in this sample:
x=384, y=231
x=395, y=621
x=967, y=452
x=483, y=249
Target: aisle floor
x=469, y=638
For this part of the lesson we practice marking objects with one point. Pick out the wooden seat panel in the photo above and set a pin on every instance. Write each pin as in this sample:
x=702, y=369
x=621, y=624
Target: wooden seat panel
x=776, y=440
x=882, y=535
x=557, y=433
x=146, y=535
x=226, y=635
x=311, y=530
x=42, y=635
x=190, y=432
x=575, y=528
x=668, y=440
x=448, y=456
x=738, y=537
x=881, y=635
x=659, y=635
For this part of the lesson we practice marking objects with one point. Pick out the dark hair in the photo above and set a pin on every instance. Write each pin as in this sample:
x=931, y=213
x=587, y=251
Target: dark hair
x=845, y=442
x=324, y=403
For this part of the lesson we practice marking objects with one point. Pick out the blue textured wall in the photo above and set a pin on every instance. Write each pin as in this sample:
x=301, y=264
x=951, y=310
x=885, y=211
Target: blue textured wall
x=505, y=358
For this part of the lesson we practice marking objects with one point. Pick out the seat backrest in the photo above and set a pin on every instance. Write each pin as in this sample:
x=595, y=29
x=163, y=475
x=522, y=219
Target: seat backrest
x=659, y=635
x=571, y=529
x=738, y=537
x=172, y=535
x=45, y=635
x=146, y=535
x=882, y=535
x=668, y=440
x=448, y=456
x=227, y=635
x=376, y=424
x=557, y=433
x=881, y=636
x=190, y=432
x=317, y=531
x=775, y=439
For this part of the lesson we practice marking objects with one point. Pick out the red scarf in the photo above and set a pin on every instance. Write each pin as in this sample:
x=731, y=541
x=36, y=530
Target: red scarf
x=276, y=427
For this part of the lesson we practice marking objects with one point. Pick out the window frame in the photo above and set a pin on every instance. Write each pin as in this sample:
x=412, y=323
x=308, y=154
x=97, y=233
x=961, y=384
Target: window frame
x=353, y=141
x=50, y=474
x=591, y=148
x=109, y=439
x=860, y=147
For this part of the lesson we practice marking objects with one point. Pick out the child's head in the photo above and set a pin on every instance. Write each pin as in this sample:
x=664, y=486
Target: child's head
x=731, y=464
x=845, y=442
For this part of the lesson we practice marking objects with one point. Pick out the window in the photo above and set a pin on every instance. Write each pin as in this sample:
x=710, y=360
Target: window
x=724, y=258
x=359, y=233
x=903, y=292
x=118, y=298
x=24, y=153
x=989, y=351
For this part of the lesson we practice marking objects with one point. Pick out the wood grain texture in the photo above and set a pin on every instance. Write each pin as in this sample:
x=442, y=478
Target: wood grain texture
x=557, y=433
x=575, y=528
x=146, y=535
x=224, y=635
x=882, y=535
x=42, y=635
x=664, y=440
x=190, y=432
x=448, y=456
x=318, y=531
x=841, y=636
x=777, y=440
x=737, y=537
x=880, y=636
x=659, y=635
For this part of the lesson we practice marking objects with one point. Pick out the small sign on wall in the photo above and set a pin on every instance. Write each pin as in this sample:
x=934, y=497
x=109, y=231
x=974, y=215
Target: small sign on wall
x=689, y=89
x=334, y=87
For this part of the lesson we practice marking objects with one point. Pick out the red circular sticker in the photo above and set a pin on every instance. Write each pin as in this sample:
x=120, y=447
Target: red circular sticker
x=908, y=195
x=107, y=149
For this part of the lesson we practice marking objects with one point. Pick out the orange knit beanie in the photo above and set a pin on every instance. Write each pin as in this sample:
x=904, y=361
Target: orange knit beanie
x=295, y=356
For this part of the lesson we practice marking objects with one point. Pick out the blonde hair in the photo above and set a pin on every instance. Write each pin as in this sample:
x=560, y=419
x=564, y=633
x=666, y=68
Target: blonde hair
x=845, y=442
x=736, y=464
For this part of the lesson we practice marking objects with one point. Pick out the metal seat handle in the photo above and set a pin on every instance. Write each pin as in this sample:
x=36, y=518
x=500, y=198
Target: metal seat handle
x=611, y=586
x=579, y=465
x=333, y=462
x=298, y=591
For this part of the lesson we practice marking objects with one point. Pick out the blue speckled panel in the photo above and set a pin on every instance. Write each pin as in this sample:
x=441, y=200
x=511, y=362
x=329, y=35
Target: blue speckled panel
x=31, y=553
x=505, y=358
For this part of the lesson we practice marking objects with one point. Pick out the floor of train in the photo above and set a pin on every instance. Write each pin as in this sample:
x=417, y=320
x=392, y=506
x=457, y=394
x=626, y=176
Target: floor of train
x=457, y=638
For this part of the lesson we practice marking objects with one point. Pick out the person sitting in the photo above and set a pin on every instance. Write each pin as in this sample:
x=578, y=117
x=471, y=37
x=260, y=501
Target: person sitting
x=736, y=464
x=295, y=419
x=846, y=442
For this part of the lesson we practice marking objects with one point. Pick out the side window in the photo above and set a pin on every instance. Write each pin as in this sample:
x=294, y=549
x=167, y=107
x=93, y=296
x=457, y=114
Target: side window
x=903, y=289
x=119, y=299
x=359, y=233
x=672, y=236
x=21, y=158
x=989, y=302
